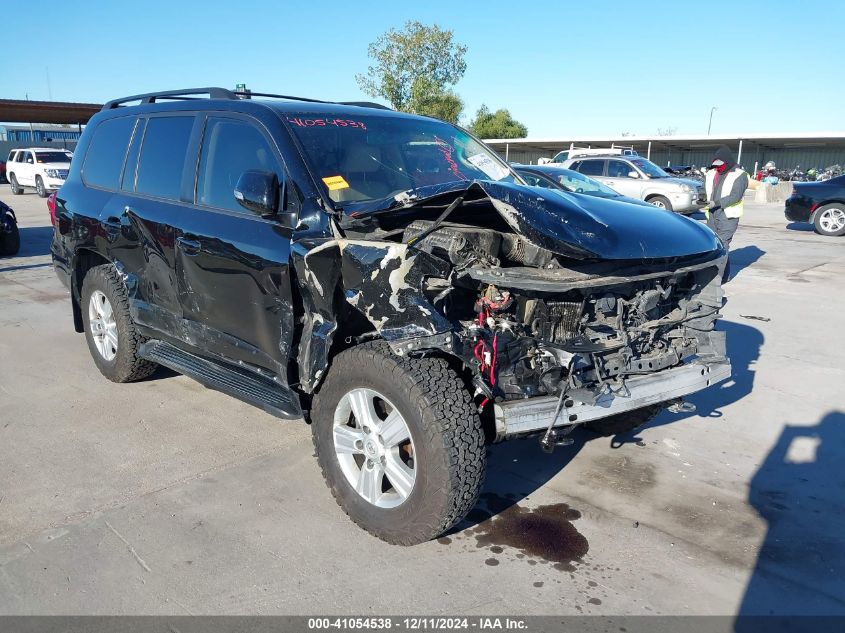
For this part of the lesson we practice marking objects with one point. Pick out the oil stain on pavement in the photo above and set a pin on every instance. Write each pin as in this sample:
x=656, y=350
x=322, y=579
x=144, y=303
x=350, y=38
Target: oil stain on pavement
x=545, y=532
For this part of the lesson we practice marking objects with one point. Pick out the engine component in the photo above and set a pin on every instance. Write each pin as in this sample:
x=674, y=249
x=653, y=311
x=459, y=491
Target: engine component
x=517, y=249
x=553, y=321
x=459, y=244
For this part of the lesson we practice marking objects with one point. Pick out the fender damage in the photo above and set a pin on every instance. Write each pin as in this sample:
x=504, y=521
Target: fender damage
x=537, y=293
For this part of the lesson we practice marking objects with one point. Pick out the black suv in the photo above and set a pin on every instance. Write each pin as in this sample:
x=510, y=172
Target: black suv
x=383, y=275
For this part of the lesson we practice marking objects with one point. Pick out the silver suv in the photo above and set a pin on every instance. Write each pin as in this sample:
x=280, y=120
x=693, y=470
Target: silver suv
x=638, y=177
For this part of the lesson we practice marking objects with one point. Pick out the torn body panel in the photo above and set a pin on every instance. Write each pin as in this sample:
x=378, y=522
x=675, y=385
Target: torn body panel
x=380, y=280
x=536, y=296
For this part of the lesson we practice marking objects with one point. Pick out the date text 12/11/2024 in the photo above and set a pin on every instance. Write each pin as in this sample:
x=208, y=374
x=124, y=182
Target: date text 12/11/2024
x=417, y=623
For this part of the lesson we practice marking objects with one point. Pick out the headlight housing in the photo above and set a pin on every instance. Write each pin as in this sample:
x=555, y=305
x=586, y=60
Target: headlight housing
x=687, y=188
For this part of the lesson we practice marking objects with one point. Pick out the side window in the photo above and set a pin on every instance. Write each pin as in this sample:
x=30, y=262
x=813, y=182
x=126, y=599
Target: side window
x=592, y=167
x=28, y=158
x=104, y=158
x=13, y=156
x=230, y=147
x=576, y=166
x=618, y=169
x=163, y=156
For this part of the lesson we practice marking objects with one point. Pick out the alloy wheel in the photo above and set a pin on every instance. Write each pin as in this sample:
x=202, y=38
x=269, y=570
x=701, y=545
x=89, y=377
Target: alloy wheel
x=103, y=325
x=832, y=220
x=374, y=448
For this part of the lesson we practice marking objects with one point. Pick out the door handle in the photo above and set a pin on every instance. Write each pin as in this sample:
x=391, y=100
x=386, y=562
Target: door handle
x=191, y=247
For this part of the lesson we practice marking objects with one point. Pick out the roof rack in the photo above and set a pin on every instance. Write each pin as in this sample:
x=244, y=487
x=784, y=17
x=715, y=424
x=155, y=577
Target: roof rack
x=152, y=97
x=223, y=93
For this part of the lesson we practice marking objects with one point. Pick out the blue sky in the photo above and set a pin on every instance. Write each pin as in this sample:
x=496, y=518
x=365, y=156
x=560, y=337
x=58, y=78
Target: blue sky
x=562, y=68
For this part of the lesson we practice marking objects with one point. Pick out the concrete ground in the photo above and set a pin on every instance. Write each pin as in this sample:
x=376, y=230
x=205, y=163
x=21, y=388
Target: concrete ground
x=163, y=497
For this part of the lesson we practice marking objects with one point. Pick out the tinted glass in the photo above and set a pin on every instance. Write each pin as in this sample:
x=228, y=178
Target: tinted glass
x=618, y=169
x=52, y=157
x=163, y=156
x=229, y=149
x=12, y=156
x=592, y=167
x=104, y=159
x=26, y=157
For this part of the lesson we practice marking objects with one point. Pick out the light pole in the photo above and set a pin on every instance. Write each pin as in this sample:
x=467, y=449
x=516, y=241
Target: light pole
x=710, y=124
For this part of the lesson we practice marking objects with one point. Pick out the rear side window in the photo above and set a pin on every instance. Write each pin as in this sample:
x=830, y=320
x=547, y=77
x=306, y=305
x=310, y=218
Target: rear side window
x=104, y=159
x=12, y=156
x=230, y=148
x=591, y=167
x=163, y=156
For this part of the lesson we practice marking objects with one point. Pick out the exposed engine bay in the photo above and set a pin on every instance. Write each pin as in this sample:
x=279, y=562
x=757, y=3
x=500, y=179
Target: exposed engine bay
x=526, y=343
x=524, y=319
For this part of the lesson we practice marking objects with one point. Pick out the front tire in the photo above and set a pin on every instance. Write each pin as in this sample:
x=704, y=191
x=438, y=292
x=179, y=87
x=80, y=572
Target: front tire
x=110, y=332
x=16, y=188
x=830, y=220
x=660, y=202
x=40, y=189
x=399, y=442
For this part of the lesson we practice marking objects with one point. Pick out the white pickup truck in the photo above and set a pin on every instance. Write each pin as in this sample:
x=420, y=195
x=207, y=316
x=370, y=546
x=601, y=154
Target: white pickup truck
x=44, y=169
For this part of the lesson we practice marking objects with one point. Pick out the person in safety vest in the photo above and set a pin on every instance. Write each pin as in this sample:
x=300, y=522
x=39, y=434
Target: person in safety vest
x=725, y=184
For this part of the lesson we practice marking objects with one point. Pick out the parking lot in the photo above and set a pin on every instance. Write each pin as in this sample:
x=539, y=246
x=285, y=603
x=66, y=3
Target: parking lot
x=164, y=497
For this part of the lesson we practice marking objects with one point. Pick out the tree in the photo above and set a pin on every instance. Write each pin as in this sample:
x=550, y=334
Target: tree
x=666, y=131
x=498, y=124
x=414, y=68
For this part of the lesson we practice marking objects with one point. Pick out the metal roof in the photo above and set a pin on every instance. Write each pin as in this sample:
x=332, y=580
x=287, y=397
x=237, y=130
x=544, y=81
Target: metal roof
x=19, y=111
x=797, y=139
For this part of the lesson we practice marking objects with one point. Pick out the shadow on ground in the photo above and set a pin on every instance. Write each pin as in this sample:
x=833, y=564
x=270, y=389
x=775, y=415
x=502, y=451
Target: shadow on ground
x=799, y=490
x=800, y=226
x=742, y=258
x=35, y=240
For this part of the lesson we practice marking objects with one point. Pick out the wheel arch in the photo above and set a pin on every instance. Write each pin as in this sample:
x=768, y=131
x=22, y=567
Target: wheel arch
x=84, y=259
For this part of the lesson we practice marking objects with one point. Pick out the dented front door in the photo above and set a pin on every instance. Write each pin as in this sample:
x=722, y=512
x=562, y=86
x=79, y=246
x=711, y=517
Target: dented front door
x=232, y=266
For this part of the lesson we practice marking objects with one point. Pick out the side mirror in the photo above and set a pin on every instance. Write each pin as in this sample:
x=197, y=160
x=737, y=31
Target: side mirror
x=258, y=191
x=633, y=174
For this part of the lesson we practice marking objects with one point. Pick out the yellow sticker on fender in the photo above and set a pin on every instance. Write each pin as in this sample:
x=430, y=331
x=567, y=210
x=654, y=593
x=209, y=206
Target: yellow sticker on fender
x=336, y=182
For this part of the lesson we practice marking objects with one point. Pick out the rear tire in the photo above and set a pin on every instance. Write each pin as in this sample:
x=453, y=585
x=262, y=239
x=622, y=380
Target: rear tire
x=660, y=202
x=39, y=188
x=120, y=361
x=10, y=243
x=624, y=422
x=16, y=188
x=448, y=456
x=830, y=220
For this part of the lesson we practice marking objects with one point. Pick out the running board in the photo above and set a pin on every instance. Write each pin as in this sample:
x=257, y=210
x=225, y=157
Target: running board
x=243, y=384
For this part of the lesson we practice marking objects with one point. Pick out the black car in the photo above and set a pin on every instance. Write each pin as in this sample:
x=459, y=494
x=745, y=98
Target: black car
x=10, y=237
x=822, y=203
x=384, y=275
x=556, y=177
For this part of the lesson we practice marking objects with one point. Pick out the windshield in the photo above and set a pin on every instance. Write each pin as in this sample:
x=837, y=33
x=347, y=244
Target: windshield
x=52, y=157
x=648, y=168
x=372, y=157
x=579, y=183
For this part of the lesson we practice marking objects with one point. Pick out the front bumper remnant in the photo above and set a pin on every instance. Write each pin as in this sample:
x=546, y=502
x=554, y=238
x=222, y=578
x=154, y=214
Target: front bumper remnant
x=520, y=417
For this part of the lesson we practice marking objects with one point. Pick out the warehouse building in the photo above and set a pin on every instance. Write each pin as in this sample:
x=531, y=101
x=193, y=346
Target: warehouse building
x=788, y=151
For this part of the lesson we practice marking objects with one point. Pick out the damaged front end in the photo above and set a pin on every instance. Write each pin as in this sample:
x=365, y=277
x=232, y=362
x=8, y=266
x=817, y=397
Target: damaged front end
x=561, y=309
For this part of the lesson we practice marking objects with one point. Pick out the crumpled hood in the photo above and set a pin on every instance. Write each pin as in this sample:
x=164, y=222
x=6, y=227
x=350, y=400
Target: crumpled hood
x=577, y=225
